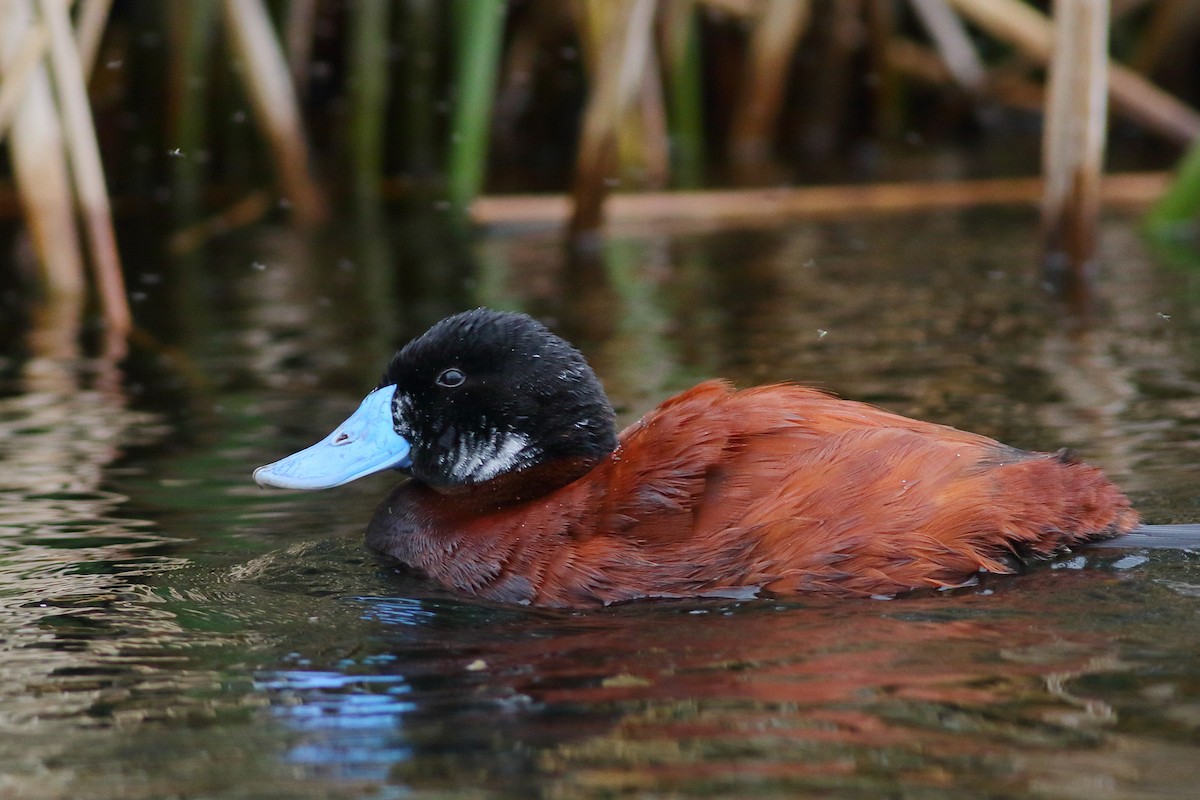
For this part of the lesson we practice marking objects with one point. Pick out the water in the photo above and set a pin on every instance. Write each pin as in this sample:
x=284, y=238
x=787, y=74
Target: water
x=169, y=630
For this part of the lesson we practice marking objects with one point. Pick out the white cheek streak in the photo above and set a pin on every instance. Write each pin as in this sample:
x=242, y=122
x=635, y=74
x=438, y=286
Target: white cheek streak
x=507, y=456
x=483, y=460
x=402, y=407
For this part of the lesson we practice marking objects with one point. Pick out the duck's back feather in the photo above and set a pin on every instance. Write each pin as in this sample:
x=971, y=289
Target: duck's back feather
x=781, y=487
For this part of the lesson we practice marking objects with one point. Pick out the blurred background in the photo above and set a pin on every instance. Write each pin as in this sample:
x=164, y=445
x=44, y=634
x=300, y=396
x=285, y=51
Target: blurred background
x=185, y=123
x=219, y=218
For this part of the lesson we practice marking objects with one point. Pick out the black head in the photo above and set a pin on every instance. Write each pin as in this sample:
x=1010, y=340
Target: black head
x=484, y=394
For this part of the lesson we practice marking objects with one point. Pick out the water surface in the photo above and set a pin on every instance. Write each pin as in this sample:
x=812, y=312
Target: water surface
x=167, y=629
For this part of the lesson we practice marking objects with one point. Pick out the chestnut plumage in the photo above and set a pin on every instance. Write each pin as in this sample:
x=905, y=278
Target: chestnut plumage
x=521, y=491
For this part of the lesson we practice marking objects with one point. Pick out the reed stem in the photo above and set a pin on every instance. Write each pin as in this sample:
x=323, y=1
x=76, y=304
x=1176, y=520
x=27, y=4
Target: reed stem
x=93, y=17
x=756, y=113
x=193, y=24
x=18, y=71
x=368, y=94
x=268, y=84
x=685, y=85
x=480, y=25
x=949, y=35
x=298, y=35
x=418, y=86
x=86, y=168
x=1073, y=145
x=39, y=162
x=618, y=77
x=1031, y=32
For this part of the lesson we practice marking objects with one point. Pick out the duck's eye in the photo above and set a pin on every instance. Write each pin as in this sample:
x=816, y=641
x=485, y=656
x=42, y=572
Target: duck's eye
x=450, y=378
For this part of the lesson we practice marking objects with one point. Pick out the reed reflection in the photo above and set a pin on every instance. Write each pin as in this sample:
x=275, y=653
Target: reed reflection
x=76, y=606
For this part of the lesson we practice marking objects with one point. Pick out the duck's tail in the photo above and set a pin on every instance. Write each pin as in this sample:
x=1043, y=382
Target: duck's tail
x=1163, y=537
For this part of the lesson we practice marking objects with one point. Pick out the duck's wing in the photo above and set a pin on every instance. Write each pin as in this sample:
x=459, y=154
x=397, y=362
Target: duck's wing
x=799, y=490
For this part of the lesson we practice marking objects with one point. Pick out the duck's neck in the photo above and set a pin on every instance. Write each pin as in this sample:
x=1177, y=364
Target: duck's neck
x=473, y=539
x=518, y=486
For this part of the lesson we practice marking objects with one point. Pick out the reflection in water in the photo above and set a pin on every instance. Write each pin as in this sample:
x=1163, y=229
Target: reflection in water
x=55, y=519
x=926, y=693
x=361, y=712
x=175, y=631
x=1127, y=390
x=84, y=634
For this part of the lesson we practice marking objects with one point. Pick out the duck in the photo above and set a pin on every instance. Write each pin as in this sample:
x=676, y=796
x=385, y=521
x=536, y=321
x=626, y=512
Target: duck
x=518, y=488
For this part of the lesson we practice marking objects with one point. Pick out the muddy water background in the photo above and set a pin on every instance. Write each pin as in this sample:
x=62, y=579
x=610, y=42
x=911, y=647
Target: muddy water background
x=169, y=630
